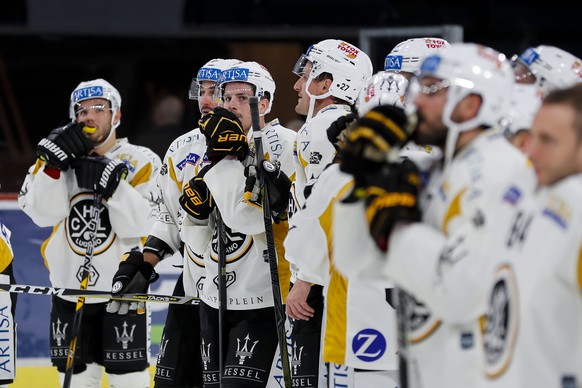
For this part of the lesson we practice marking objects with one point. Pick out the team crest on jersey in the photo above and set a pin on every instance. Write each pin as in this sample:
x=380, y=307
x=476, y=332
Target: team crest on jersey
x=164, y=169
x=315, y=158
x=78, y=225
x=369, y=345
x=236, y=245
x=501, y=323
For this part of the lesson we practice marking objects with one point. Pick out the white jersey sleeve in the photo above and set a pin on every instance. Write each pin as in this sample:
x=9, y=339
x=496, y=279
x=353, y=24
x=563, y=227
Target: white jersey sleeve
x=308, y=242
x=313, y=151
x=181, y=163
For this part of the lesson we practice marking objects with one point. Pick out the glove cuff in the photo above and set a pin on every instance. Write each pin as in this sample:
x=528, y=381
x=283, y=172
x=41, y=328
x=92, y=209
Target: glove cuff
x=148, y=272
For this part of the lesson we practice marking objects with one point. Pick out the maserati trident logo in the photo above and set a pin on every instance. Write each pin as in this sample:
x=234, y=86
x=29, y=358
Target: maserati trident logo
x=124, y=337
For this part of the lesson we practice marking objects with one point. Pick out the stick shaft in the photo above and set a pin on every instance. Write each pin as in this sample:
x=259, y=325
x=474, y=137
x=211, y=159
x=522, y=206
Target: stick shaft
x=271, y=253
x=57, y=291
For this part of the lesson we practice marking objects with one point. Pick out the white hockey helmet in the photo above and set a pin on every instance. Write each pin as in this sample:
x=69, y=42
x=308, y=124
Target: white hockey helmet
x=551, y=67
x=209, y=72
x=464, y=69
x=97, y=88
x=349, y=66
x=383, y=88
x=525, y=101
x=251, y=73
x=408, y=55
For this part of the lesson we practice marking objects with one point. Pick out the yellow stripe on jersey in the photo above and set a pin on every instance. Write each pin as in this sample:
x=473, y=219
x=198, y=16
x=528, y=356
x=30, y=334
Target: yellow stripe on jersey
x=453, y=211
x=142, y=175
x=37, y=166
x=303, y=162
x=44, y=245
x=6, y=254
x=334, y=345
x=173, y=174
x=280, y=231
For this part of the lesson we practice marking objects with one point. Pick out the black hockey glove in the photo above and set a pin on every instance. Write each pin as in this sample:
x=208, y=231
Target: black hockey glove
x=63, y=145
x=336, y=132
x=133, y=276
x=196, y=199
x=224, y=135
x=278, y=186
x=369, y=140
x=99, y=173
x=392, y=197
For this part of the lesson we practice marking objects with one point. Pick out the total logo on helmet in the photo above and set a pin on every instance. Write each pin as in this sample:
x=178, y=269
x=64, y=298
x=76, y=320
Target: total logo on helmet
x=350, y=50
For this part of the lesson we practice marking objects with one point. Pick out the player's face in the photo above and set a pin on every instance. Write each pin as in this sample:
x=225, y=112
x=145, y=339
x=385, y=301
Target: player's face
x=429, y=107
x=96, y=113
x=556, y=149
x=206, y=101
x=315, y=89
x=236, y=99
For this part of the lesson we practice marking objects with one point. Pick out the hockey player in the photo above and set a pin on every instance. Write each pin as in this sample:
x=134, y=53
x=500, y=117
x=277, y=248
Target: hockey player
x=547, y=67
x=532, y=332
x=179, y=363
x=373, y=362
x=250, y=328
x=459, y=97
x=74, y=161
x=331, y=74
x=7, y=310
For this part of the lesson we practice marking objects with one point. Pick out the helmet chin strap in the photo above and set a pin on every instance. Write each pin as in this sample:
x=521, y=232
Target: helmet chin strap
x=312, y=98
x=100, y=145
x=113, y=128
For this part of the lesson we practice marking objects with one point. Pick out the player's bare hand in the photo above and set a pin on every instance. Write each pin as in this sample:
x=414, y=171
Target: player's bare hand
x=296, y=306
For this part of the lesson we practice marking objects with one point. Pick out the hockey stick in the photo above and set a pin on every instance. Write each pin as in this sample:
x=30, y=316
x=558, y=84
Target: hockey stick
x=402, y=314
x=57, y=291
x=85, y=273
x=221, y=292
x=270, y=254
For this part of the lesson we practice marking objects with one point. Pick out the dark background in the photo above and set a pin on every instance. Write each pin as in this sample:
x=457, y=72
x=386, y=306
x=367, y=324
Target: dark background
x=150, y=49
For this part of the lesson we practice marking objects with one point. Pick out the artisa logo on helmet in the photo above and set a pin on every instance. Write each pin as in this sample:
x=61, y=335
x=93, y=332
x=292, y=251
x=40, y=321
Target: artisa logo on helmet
x=208, y=74
x=91, y=91
x=350, y=50
x=239, y=74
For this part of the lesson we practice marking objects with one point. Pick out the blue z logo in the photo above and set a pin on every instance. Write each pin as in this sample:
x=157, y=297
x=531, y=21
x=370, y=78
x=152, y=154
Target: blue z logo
x=369, y=345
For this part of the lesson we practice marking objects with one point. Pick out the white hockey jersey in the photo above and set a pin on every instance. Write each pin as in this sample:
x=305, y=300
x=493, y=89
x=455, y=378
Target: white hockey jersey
x=125, y=218
x=441, y=261
x=248, y=275
x=534, y=320
x=359, y=325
